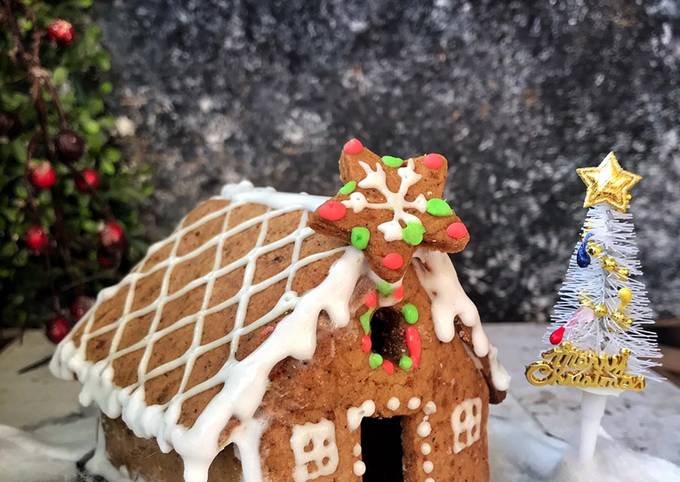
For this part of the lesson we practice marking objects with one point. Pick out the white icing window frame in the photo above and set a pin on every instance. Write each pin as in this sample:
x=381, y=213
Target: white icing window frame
x=321, y=436
x=466, y=419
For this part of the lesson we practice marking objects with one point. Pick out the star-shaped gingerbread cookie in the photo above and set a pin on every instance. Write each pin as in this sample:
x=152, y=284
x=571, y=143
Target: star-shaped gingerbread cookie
x=390, y=206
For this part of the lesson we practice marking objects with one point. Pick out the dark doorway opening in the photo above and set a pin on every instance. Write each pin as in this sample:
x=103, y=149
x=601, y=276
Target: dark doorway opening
x=381, y=449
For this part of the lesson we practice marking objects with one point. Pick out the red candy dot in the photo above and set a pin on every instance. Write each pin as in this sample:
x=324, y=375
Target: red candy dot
x=353, y=146
x=332, y=210
x=371, y=300
x=388, y=366
x=393, y=261
x=433, y=161
x=366, y=344
x=414, y=345
x=457, y=230
x=399, y=293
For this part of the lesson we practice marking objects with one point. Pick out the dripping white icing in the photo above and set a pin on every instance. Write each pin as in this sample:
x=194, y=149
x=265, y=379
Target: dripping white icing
x=356, y=414
x=393, y=403
x=449, y=300
x=396, y=201
x=99, y=463
x=413, y=403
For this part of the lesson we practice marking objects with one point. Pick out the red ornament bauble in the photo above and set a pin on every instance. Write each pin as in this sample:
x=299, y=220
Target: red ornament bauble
x=61, y=31
x=80, y=305
x=87, y=181
x=557, y=335
x=112, y=235
x=42, y=175
x=57, y=328
x=69, y=146
x=36, y=239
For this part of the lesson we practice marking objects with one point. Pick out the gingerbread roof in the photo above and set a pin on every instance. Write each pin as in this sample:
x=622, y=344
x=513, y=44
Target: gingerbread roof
x=185, y=342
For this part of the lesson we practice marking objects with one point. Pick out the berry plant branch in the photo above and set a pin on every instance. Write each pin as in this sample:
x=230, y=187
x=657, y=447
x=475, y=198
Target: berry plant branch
x=69, y=195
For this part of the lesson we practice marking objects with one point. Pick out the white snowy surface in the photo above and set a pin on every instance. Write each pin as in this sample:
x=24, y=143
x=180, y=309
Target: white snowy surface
x=527, y=433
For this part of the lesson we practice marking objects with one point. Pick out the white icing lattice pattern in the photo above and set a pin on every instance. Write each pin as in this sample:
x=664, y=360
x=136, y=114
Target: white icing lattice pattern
x=243, y=381
x=396, y=201
x=466, y=421
x=315, y=450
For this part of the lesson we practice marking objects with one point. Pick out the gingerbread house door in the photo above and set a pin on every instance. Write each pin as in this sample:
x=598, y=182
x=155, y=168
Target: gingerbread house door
x=382, y=450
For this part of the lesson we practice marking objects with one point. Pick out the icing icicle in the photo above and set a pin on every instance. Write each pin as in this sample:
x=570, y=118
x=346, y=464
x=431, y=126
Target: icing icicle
x=438, y=277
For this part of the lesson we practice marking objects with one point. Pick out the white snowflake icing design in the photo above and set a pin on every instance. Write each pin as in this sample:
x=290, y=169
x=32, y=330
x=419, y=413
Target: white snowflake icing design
x=395, y=201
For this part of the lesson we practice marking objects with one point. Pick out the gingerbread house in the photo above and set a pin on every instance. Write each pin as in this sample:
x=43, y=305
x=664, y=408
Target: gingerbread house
x=277, y=337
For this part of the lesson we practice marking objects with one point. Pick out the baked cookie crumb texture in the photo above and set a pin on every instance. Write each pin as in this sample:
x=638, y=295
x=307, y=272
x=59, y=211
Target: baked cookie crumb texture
x=288, y=328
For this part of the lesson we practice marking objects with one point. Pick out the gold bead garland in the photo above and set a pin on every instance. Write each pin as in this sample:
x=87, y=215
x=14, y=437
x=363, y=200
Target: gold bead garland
x=609, y=264
x=619, y=316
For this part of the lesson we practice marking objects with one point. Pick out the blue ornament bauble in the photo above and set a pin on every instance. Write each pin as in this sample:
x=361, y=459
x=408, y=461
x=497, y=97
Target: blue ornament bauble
x=582, y=256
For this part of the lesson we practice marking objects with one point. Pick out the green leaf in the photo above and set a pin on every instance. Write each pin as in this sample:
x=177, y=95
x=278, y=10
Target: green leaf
x=60, y=75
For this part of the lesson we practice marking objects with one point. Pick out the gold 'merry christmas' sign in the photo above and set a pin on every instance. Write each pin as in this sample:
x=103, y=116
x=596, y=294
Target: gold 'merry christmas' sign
x=571, y=366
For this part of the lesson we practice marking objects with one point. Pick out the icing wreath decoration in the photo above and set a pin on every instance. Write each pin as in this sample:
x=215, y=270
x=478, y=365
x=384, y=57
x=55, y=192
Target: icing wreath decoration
x=388, y=206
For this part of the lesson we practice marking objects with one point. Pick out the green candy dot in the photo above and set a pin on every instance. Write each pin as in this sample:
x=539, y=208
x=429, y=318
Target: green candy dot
x=405, y=363
x=438, y=207
x=348, y=188
x=384, y=288
x=413, y=233
x=392, y=161
x=375, y=360
x=410, y=313
x=360, y=237
x=365, y=321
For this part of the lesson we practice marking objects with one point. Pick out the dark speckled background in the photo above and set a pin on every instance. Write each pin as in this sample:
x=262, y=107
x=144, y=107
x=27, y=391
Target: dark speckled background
x=515, y=94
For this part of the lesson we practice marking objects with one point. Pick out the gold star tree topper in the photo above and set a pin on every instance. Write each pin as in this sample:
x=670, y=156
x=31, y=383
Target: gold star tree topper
x=609, y=183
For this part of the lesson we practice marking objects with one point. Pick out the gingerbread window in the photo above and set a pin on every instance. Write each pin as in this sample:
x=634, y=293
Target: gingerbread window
x=466, y=421
x=316, y=453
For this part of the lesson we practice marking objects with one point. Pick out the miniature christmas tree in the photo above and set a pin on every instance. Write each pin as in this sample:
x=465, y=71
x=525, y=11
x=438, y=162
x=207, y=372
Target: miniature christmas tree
x=599, y=322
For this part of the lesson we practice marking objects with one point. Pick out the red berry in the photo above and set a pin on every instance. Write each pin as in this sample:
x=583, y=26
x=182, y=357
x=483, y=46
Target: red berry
x=557, y=335
x=69, y=146
x=112, y=235
x=88, y=180
x=457, y=230
x=353, y=147
x=80, y=305
x=393, y=261
x=434, y=161
x=332, y=210
x=42, y=175
x=57, y=328
x=36, y=239
x=61, y=31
